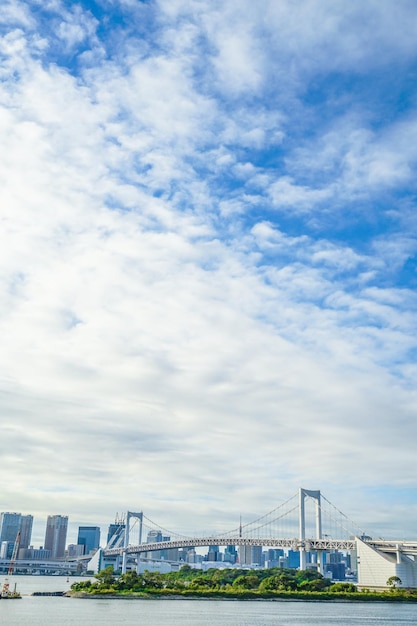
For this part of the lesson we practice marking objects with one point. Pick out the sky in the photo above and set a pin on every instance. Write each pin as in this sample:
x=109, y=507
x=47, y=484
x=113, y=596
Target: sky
x=208, y=259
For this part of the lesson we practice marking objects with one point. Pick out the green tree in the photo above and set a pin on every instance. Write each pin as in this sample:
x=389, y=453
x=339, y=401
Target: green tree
x=393, y=581
x=307, y=574
x=279, y=582
x=316, y=584
x=82, y=585
x=343, y=587
x=131, y=581
x=105, y=578
x=153, y=580
x=250, y=581
x=204, y=581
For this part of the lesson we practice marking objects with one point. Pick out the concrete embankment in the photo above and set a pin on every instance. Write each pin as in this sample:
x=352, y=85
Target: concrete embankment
x=48, y=593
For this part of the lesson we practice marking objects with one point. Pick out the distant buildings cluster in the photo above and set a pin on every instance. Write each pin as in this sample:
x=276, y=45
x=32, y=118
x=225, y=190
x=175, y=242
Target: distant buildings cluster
x=335, y=563
x=88, y=542
x=11, y=524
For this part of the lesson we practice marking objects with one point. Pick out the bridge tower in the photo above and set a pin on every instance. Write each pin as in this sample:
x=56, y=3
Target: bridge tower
x=138, y=516
x=315, y=495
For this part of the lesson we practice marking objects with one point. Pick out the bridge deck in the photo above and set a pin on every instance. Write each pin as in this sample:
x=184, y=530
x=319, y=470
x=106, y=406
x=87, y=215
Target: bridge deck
x=310, y=545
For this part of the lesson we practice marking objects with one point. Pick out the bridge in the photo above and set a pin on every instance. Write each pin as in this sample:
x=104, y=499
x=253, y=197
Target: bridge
x=306, y=523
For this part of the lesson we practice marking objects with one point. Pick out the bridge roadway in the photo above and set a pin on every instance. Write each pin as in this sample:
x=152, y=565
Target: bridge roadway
x=309, y=545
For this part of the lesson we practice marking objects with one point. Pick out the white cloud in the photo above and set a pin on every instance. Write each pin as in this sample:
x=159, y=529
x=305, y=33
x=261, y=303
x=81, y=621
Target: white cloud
x=16, y=14
x=284, y=193
x=153, y=341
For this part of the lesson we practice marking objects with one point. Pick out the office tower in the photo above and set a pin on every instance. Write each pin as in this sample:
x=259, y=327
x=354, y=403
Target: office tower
x=293, y=559
x=335, y=557
x=89, y=538
x=170, y=555
x=114, y=529
x=256, y=555
x=245, y=555
x=4, y=547
x=75, y=550
x=338, y=570
x=167, y=555
x=116, y=534
x=154, y=536
x=213, y=554
x=230, y=554
x=26, y=524
x=191, y=556
x=9, y=527
x=274, y=557
x=56, y=535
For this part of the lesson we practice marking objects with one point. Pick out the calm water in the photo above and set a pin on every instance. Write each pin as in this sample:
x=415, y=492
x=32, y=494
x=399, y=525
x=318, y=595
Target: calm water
x=51, y=611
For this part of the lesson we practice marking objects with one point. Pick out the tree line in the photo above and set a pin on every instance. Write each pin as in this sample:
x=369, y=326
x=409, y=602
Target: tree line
x=232, y=582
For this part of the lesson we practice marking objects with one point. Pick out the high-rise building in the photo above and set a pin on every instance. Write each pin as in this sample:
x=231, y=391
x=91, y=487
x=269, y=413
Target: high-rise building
x=256, y=555
x=75, y=550
x=230, y=554
x=116, y=534
x=154, y=536
x=56, y=535
x=26, y=524
x=293, y=559
x=89, y=538
x=9, y=527
x=213, y=554
x=274, y=557
x=245, y=555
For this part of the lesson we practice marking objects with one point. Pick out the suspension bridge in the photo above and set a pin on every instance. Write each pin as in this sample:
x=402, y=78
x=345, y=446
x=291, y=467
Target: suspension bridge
x=307, y=523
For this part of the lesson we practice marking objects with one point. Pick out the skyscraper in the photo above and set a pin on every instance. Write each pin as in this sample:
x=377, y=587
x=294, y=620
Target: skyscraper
x=245, y=555
x=256, y=555
x=89, y=537
x=230, y=554
x=116, y=533
x=9, y=527
x=154, y=536
x=26, y=524
x=56, y=535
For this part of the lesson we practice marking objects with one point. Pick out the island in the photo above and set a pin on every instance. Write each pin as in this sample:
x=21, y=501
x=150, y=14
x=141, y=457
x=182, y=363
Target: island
x=241, y=584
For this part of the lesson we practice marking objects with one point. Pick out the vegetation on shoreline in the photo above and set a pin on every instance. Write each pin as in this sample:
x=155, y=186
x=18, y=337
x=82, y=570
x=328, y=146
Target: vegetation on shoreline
x=233, y=583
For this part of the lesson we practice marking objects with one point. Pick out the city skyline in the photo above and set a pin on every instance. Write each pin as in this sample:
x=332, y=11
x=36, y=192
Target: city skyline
x=308, y=512
x=208, y=259
x=15, y=527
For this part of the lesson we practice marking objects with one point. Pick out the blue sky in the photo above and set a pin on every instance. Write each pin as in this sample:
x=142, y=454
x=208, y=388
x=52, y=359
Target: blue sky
x=208, y=258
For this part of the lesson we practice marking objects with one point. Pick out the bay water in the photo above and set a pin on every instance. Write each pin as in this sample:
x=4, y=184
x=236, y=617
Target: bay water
x=61, y=611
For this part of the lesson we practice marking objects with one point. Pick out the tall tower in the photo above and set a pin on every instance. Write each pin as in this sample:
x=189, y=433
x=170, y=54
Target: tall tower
x=9, y=527
x=245, y=555
x=314, y=495
x=56, y=535
x=26, y=524
x=154, y=536
x=89, y=537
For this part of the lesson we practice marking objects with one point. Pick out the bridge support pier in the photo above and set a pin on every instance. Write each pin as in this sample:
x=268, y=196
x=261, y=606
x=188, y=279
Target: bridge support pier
x=315, y=495
x=320, y=563
x=139, y=516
